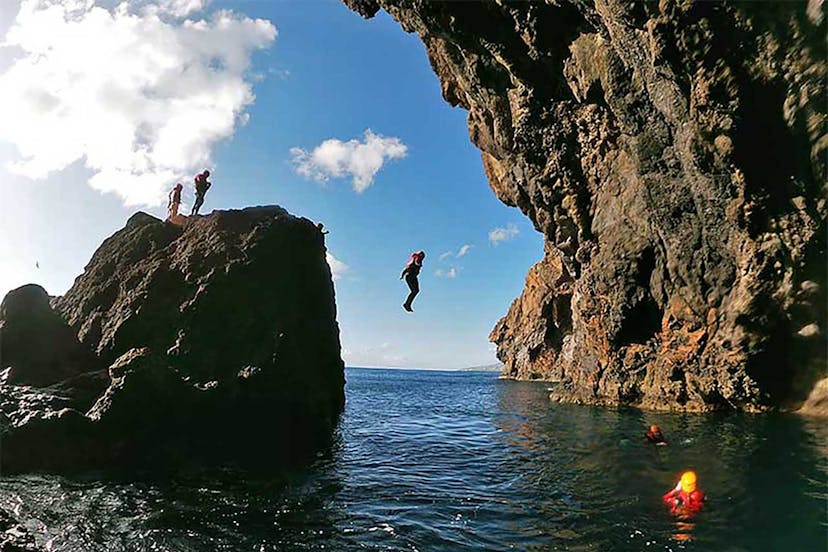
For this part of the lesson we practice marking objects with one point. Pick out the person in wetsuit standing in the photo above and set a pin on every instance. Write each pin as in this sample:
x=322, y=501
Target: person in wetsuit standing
x=173, y=203
x=201, y=187
x=410, y=273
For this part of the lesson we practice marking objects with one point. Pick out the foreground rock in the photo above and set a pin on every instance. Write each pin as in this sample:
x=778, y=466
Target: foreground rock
x=673, y=156
x=218, y=343
x=27, y=323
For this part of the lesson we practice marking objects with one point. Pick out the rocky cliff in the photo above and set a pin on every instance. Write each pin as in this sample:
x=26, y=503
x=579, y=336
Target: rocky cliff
x=673, y=155
x=209, y=343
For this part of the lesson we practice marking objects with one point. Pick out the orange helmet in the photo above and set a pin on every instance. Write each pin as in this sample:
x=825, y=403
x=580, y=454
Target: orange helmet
x=688, y=481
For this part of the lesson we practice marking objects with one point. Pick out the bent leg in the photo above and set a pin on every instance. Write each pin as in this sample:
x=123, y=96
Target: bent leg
x=414, y=286
x=199, y=200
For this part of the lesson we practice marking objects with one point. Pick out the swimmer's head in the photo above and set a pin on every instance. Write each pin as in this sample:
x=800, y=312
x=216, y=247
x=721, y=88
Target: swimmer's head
x=688, y=481
x=655, y=429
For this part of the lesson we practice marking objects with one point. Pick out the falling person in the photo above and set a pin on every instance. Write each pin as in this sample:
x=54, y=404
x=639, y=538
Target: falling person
x=410, y=273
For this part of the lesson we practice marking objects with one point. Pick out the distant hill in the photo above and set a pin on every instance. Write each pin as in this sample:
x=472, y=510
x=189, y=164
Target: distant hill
x=497, y=367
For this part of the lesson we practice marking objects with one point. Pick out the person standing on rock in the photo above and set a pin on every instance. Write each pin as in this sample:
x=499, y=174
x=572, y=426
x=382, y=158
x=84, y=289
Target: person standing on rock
x=174, y=203
x=410, y=273
x=201, y=187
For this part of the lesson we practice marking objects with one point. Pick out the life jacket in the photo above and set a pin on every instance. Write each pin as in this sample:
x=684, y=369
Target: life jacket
x=684, y=503
x=201, y=184
x=414, y=264
x=655, y=437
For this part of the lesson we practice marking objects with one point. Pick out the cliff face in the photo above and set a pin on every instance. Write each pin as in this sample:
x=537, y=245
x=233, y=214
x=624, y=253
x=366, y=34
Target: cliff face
x=672, y=154
x=220, y=339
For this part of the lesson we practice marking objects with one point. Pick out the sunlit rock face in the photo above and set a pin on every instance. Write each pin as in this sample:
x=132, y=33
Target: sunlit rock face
x=672, y=154
x=215, y=342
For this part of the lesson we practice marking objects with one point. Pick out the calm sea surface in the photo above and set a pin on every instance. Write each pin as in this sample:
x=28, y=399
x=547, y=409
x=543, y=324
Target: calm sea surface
x=435, y=461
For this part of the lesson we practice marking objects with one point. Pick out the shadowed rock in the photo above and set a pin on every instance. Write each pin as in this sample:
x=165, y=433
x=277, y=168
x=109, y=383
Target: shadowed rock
x=221, y=341
x=673, y=156
x=38, y=346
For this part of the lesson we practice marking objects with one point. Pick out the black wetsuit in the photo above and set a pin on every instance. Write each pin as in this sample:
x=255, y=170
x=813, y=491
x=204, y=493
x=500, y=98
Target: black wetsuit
x=411, y=272
x=201, y=187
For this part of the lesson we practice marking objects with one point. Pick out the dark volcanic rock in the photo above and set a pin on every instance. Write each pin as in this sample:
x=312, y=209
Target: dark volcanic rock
x=36, y=343
x=673, y=155
x=221, y=341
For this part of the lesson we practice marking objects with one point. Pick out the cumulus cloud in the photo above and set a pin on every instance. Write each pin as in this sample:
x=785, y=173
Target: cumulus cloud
x=451, y=273
x=135, y=92
x=446, y=255
x=338, y=268
x=359, y=160
x=503, y=234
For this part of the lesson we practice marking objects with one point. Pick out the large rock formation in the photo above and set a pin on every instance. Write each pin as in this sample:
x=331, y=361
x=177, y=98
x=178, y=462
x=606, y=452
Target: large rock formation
x=26, y=323
x=220, y=339
x=672, y=154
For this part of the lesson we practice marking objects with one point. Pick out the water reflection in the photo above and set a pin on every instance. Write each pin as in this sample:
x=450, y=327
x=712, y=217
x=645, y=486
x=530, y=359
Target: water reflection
x=445, y=462
x=765, y=476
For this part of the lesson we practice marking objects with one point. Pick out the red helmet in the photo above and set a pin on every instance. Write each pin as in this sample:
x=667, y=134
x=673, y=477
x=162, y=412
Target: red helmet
x=420, y=255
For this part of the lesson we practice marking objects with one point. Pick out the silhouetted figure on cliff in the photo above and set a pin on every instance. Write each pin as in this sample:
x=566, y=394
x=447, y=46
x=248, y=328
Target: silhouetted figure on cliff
x=174, y=203
x=201, y=187
x=410, y=273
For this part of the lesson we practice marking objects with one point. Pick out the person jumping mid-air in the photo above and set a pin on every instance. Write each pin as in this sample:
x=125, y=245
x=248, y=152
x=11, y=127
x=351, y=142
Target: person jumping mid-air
x=174, y=203
x=410, y=273
x=201, y=187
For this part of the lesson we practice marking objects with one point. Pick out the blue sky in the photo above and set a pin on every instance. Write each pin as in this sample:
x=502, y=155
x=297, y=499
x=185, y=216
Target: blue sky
x=328, y=74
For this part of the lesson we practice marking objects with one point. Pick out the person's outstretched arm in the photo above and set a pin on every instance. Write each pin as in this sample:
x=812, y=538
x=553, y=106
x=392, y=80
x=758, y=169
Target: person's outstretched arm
x=404, y=272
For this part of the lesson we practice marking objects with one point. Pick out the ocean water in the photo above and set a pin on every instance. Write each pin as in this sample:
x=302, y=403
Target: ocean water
x=434, y=461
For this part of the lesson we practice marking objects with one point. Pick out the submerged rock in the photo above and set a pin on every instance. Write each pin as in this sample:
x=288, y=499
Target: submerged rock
x=673, y=156
x=221, y=344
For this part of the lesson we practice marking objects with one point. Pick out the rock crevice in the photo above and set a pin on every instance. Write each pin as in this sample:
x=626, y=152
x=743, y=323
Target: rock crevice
x=672, y=154
x=213, y=343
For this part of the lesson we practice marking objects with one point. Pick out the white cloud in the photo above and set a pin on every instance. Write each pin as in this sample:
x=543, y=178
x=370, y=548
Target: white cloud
x=384, y=355
x=338, y=268
x=451, y=273
x=464, y=250
x=182, y=8
x=359, y=160
x=137, y=94
x=446, y=255
x=501, y=234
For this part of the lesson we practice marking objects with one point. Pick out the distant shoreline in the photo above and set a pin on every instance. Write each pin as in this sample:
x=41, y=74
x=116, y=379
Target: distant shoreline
x=492, y=368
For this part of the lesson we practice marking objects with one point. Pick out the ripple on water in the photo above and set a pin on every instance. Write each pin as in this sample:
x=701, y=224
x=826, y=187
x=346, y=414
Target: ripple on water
x=431, y=461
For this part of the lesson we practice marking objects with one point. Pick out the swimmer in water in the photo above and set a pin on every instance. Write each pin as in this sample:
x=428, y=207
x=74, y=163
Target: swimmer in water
x=686, y=499
x=654, y=436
